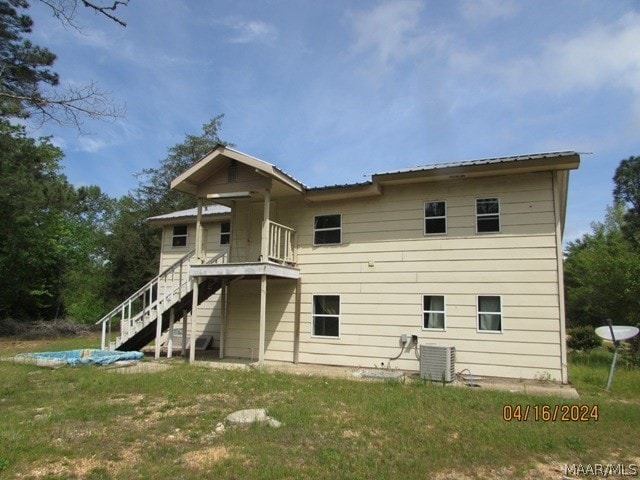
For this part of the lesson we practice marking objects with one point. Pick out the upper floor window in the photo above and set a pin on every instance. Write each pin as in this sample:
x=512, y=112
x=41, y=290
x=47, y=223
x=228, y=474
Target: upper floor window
x=435, y=218
x=327, y=229
x=489, y=313
x=487, y=215
x=179, y=238
x=225, y=233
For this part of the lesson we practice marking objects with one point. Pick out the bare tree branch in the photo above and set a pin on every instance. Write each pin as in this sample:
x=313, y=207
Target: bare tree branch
x=69, y=107
x=105, y=10
x=67, y=10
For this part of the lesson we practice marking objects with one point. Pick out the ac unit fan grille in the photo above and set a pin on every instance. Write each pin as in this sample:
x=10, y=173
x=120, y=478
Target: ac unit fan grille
x=437, y=362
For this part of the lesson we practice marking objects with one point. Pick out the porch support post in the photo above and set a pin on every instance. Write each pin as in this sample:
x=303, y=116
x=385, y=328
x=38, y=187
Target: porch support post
x=172, y=320
x=223, y=315
x=185, y=315
x=158, y=335
x=200, y=254
x=194, y=314
x=263, y=318
x=264, y=246
x=103, y=343
x=296, y=322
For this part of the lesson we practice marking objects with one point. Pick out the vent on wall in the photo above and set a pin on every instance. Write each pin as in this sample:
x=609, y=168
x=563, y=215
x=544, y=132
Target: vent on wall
x=437, y=362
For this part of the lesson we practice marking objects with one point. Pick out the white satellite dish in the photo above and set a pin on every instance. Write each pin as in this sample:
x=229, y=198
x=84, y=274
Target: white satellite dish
x=620, y=332
x=615, y=333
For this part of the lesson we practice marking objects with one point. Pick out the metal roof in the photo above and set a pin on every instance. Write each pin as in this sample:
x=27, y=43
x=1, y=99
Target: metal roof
x=483, y=161
x=207, y=210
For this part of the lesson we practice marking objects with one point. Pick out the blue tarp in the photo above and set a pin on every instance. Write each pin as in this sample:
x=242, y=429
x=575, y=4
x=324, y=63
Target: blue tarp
x=82, y=357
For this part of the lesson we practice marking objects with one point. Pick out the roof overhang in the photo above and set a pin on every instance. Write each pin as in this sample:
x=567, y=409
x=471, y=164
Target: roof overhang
x=199, y=172
x=555, y=161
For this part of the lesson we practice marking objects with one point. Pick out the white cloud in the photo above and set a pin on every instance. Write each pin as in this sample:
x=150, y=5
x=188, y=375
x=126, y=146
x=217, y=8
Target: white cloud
x=250, y=31
x=391, y=32
x=485, y=11
x=600, y=56
x=90, y=145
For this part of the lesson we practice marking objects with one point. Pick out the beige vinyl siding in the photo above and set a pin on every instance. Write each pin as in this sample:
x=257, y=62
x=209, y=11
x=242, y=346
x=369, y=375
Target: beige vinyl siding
x=385, y=264
x=242, y=333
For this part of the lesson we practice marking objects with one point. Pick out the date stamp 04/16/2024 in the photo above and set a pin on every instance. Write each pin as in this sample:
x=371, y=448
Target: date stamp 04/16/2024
x=550, y=413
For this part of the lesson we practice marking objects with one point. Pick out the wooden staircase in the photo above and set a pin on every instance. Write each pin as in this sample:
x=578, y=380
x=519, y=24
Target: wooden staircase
x=139, y=314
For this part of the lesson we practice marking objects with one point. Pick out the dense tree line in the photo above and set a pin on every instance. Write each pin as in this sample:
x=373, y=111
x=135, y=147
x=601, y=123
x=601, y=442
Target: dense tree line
x=66, y=251
x=602, y=269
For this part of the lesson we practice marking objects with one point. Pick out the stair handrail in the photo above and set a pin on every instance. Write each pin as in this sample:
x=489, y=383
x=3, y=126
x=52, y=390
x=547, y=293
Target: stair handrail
x=112, y=313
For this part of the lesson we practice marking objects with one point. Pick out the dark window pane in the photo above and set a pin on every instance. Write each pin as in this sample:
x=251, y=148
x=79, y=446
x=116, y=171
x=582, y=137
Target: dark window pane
x=179, y=241
x=180, y=230
x=435, y=225
x=433, y=320
x=434, y=302
x=489, y=322
x=324, y=237
x=487, y=205
x=326, y=326
x=327, y=221
x=490, y=223
x=225, y=227
x=326, y=304
x=434, y=209
x=489, y=304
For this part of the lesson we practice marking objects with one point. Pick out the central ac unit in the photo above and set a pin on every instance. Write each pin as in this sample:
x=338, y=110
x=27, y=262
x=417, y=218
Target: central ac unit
x=437, y=362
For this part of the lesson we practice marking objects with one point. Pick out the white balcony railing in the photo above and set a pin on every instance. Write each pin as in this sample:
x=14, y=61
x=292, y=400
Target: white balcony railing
x=282, y=243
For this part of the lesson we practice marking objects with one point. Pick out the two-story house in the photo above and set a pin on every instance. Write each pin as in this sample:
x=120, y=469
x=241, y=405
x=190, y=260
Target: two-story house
x=464, y=254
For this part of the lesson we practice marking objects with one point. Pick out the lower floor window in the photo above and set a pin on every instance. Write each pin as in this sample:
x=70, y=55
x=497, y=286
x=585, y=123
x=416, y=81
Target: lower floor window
x=489, y=313
x=326, y=315
x=433, y=311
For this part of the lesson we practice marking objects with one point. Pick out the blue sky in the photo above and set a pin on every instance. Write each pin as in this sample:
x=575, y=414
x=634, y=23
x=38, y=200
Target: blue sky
x=332, y=90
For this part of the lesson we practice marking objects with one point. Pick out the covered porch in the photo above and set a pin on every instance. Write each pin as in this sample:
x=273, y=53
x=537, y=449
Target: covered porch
x=259, y=248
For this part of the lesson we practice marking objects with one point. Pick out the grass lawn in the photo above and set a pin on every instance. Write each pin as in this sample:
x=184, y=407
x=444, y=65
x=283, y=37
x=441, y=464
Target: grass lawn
x=91, y=423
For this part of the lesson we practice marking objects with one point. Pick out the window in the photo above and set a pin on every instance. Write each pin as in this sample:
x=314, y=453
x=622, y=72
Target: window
x=179, y=236
x=433, y=312
x=487, y=215
x=225, y=233
x=327, y=229
x=326, y=315
x=489, y=314
x=435, y=218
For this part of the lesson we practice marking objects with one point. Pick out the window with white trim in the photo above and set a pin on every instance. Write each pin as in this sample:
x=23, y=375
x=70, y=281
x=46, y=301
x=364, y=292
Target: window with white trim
x=327, y=229
x=179, y=238
x=225, y=233
x=433, y=314
x=489, y=313
x=326, y=316
x=435, y=218
x=487, y=215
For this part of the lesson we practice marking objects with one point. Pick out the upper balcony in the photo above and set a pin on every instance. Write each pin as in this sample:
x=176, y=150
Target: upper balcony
x=280, y=259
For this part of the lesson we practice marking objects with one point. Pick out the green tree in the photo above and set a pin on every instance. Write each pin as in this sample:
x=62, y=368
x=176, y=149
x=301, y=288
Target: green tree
x=627, y=192
x=32, y=196
x=84, y=293
x=602, y=275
